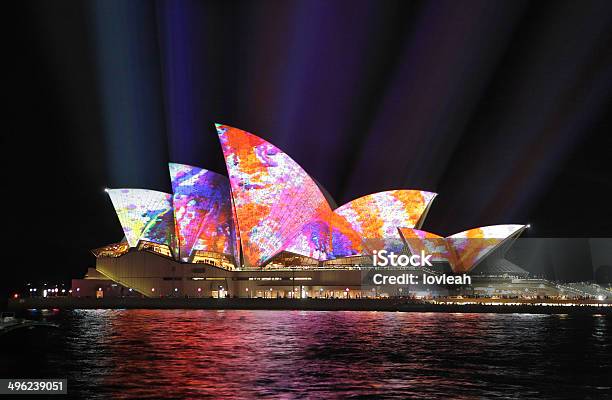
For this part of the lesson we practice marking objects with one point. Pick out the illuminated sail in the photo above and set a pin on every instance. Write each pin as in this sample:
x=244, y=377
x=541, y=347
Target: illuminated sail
x=376, y=217
x=273, y=196
x=463, y=250
x=144, y=215
x=471, y=246
x=202, y=211
x=362, y=225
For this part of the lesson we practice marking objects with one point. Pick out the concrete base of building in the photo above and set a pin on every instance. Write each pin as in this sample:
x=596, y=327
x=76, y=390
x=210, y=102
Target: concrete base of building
x=148, y=275
x=154, y=276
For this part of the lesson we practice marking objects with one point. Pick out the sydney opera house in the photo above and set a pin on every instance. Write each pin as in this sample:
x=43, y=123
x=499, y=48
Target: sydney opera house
x=270, y=230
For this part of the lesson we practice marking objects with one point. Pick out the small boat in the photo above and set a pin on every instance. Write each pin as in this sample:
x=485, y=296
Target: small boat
x=9, y=323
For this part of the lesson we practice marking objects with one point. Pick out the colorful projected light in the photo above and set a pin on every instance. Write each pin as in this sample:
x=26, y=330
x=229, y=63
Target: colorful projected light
x=144, y=215
x=274, y=197
x=270, y=205
x=463, y=250
x=202, y=211
x=346, y=241
x=417, y=240
x=375, y=218
x=362, y=225
x=314, y=240
x=471, y=246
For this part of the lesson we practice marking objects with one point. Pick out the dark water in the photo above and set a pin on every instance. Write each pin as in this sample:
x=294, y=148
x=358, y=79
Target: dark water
x=293, y=354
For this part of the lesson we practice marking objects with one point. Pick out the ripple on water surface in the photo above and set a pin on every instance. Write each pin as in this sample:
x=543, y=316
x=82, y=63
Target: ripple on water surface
x=245, y=354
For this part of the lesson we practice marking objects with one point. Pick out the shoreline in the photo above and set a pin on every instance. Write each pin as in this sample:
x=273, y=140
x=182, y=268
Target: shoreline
x=390, y=305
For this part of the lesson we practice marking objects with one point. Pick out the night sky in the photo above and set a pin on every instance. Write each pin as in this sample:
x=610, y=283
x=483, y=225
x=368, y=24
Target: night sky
x=503, y=108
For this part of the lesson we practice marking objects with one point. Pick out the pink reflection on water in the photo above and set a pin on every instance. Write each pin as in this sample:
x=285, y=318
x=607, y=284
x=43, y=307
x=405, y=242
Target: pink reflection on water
x=247, y=354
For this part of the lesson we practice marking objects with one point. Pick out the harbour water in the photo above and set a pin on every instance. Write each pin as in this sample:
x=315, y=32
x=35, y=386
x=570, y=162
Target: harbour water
x=315, y=354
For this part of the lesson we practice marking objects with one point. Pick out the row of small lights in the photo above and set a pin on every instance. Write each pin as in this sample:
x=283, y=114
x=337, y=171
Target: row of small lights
x=175, y=289
x=600, y=298
x=45, y=291
x=200, y=289
x=54, y=290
